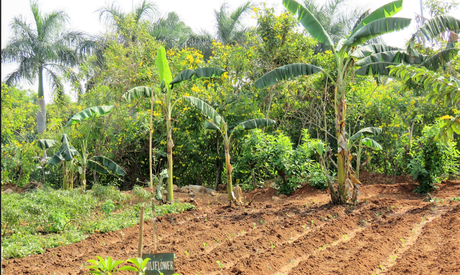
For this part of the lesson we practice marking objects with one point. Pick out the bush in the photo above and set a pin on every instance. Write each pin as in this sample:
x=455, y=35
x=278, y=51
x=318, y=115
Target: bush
x=430, y=161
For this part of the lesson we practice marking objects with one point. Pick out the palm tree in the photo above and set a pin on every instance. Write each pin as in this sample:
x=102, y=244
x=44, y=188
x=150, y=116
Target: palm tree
x=229, y=27
x=47, y=49
x=170, y=30
x=114, y=16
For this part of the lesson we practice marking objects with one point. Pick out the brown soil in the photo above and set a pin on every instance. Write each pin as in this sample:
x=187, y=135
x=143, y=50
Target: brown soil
x=392, y=230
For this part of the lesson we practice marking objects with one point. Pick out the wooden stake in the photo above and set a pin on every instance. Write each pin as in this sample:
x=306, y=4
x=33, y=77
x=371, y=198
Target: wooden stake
x=141, y=232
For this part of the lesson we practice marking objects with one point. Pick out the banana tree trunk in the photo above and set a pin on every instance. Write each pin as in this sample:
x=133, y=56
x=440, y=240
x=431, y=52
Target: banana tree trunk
x=41, y=115
x=83, y=177
x=170, y=142
x=229, y=172
x=64, y=176
x=358, y=159
x=228, y=165
x=342, y=153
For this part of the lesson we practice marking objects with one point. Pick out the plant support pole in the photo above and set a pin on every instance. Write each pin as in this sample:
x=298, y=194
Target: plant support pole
x=141, y=232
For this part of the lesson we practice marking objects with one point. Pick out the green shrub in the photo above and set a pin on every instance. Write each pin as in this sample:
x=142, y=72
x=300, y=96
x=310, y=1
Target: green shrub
x=429, y=161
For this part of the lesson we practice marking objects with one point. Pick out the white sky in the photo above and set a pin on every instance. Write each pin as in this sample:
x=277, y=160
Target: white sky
x=198, y=14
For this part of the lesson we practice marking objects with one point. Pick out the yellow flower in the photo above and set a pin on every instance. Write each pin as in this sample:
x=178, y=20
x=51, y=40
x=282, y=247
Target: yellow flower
x=328, y=52
x=446, y=117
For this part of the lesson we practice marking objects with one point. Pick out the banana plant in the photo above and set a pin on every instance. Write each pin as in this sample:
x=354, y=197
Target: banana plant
x=375, y=59
x=361, y=140
x=66, y=153
x=167, y=85
x=217, y=122
x=44, y=144
x=98, y=164
x=368, y=26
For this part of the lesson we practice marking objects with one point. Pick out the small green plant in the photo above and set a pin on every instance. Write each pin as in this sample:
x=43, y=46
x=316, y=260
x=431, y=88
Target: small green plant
x=107, y=207
x=254, y=225
x=403, y=241
x=186, y=253
x=272, y=245
x=205, y=245
x=312, y=223
x=220, y=264
x=455, y=199
x=382, y=267
x=261, y=221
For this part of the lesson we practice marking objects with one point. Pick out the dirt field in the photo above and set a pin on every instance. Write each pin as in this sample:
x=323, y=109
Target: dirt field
x=391, y=231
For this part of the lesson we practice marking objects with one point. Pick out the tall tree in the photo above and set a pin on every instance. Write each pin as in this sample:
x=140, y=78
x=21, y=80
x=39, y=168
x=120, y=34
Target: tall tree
x=46, y=49
x=115, y=17
x=170, y=30
x=230, y=30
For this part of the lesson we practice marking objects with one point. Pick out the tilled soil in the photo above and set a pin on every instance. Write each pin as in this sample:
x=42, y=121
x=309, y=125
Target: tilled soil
x=392, y=230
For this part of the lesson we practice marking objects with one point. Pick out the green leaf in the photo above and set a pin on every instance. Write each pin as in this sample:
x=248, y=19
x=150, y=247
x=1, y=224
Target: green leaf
x=196, y=74
x=211, y=126
x=363, y=51
x=254, y=123
x=90, y=113
x=162, y=66
x=433, y=27
x=437, y=60
x=391, y=57
x=371, y=143
x=46, y=143
x=129, y=268
x=286, y=72
x=206, y=109
x=378, y=68
x=384, y=11
x=66, y=152
x=376, y=28
x=309, y=21
x=110, y=165
x=138, y=92
x=96, y=166
x=367, y=130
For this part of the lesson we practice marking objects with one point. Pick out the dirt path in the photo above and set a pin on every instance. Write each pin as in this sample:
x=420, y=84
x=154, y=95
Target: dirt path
x=391, y=231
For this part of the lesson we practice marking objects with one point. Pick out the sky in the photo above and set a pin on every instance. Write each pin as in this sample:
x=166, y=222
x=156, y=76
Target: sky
x=198, y=14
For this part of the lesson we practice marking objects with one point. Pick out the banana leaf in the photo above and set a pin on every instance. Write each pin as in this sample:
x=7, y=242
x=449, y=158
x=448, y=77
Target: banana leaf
x=286, y=72
x=138, y=92
x=46, y=143
x=206, y=109
x=308, y=21
x=367, y=130
x=254, y=123
x=438, y=60
x=162, y=66
x=90, y=113
x=66, y=152
x=376, y=28
x=368, y=142
x=367, y=50
x=433, y=27
x=391, y=57
x=96, y=166
x=196, y=74
x=384, y=11
x=210, y=125
x=109, y=165
x=377, y=68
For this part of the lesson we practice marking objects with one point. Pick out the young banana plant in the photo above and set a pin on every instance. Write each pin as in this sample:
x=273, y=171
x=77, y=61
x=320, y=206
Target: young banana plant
x=361, y=140
x=217, y=122
x=368, y=26
x=99, y=164
x=167, y=85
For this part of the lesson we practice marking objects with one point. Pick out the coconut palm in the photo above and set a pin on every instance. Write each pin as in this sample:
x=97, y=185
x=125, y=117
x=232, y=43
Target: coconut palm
x=374, y=24
x=229, y=27
x=115, y=17
x=46, y=49
x=170, y=30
